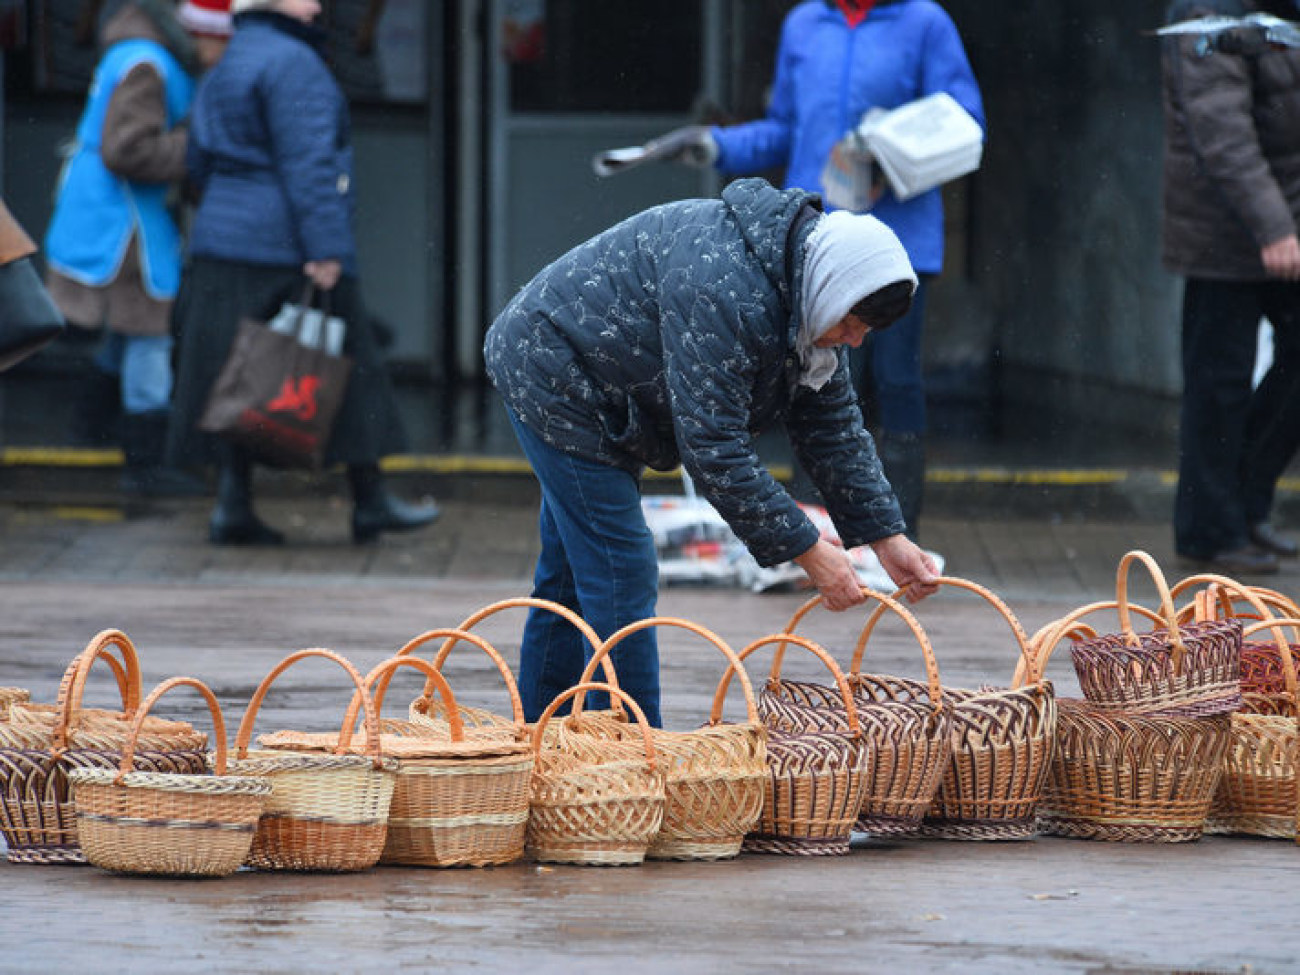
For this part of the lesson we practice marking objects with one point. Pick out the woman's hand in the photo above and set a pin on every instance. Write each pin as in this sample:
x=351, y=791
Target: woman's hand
x=907, y=565
x=323, y=274
x=1281, y=258
x=830, y=570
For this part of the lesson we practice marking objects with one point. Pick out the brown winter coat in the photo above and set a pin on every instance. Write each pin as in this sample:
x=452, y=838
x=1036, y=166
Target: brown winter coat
x=14, y=242
x=136, y=145
x=1232, y=157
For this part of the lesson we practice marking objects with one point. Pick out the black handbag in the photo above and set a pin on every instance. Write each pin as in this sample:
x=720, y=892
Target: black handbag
x=29, y=319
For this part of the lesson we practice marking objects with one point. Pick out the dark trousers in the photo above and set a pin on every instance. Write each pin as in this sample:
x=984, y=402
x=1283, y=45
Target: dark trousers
x=887, y=370
x=1234, y=442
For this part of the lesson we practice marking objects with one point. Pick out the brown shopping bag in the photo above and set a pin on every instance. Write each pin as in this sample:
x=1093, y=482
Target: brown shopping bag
x=279, y=391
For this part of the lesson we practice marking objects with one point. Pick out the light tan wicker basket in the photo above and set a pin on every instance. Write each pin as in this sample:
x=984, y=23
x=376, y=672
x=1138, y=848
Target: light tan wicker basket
x=38, y=749
x=326, y=812
x=816, y=778
x=715, y=775
x=10, y=696
x=191, y=825
x=1184, y=671
x=1128, y=778
x=600, y=810
x=907, y=724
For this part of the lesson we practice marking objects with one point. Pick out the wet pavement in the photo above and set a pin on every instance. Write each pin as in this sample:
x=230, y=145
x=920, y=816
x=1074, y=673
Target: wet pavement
x=73, y=562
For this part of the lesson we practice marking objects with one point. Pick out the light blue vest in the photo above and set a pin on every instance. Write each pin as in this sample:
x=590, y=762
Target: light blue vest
x=97, y=211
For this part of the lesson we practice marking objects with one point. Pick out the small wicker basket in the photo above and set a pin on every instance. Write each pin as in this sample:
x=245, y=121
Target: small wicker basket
x=173, y=824
x=326, y=812
x=39, y=746
x=1189, y=671
x=907, y=724
x=816, y=778
x=600, y=810
x=10, y=696
x=1128, y=777
x=715, y=775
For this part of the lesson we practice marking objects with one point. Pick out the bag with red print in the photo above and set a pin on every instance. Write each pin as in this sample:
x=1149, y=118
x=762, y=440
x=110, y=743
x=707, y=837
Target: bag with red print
x=282, y=385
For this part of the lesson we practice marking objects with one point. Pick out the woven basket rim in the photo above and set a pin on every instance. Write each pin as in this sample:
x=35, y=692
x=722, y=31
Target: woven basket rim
x=270, y=761
x=174, y=782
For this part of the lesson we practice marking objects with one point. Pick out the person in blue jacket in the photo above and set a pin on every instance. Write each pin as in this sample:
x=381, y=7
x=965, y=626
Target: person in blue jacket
x=836, y=60
x=676, y=337
x=113, y=247
x=271, y=154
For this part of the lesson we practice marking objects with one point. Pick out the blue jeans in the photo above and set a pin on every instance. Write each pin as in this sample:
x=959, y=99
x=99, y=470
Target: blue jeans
x=598, y=559
x=894, y=359
x=144, y=365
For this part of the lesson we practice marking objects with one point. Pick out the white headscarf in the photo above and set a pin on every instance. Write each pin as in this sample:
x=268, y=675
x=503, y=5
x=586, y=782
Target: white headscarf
x=849, y=256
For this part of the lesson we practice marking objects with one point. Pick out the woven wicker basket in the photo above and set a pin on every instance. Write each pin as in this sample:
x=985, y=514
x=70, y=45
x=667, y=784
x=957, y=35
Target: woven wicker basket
x=190, y=825
x=1190, y=671
x=1257, y=794
x=38, y=748
x=596, y=809
x=424, y=709
x=1128, y=778
x=326, y=812
x=715, y=775
x=10, y=696
x=907, y=724
x=1002, y=740
x=815, y=778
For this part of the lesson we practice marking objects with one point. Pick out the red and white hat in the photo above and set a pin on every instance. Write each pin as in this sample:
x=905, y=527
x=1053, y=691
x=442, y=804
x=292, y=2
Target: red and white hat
x=209, y=17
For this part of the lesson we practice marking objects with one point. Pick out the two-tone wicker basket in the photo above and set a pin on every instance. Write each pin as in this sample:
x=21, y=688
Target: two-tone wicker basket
x=715, y=774
x=907, y=724
x=815, y=777
x=1179, y=671
x=594, y=808
x=326, y=812
x=168, y=823
x=40, y=744
x=1128, y=777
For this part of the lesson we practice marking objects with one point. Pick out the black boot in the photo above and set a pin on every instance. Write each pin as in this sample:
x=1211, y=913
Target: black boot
x=97, y=410
x=233, y=521
x=375, y=510
x=903, y=457
x=143, y=436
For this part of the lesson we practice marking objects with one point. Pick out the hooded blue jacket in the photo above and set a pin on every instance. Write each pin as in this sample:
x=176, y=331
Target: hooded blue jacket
x=271, y=152
x=829, y=74
x=670, y=338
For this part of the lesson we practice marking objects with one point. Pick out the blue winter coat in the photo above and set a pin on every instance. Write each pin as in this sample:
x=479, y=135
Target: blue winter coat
x=829, y=74
x=270, y=151
x=670, y=338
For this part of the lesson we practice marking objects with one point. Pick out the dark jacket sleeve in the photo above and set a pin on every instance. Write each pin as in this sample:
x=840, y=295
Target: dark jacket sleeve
x=1215, y=96
x=835, y=449
x=135, y=142
x=305, y=117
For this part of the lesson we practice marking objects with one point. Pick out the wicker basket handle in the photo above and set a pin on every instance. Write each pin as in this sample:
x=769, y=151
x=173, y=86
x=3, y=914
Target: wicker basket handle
x=421, y=704
x=747, y=688
x=1017, y=630
x=1221, y=590
x=1168, y=614
x=1283, y=646
x=1057, y=629
x=580, y=691
x=245, y=733
x=452, y=637
x=73, y=683
x=781, y=639
x=935, y=688
x=218, y=724
x=432, y=676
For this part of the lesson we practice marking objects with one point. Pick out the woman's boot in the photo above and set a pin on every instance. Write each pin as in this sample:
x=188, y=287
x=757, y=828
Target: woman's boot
x=233, y=521
x=375, y=510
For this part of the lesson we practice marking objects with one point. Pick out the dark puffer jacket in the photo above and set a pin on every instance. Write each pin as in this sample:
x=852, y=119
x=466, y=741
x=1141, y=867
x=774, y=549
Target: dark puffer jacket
x=1232, y=151
x=669, y=339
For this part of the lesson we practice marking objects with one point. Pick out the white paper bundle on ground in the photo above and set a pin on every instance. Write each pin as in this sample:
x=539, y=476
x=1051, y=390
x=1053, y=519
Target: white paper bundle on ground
x=695, y=546
x=923, y=144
